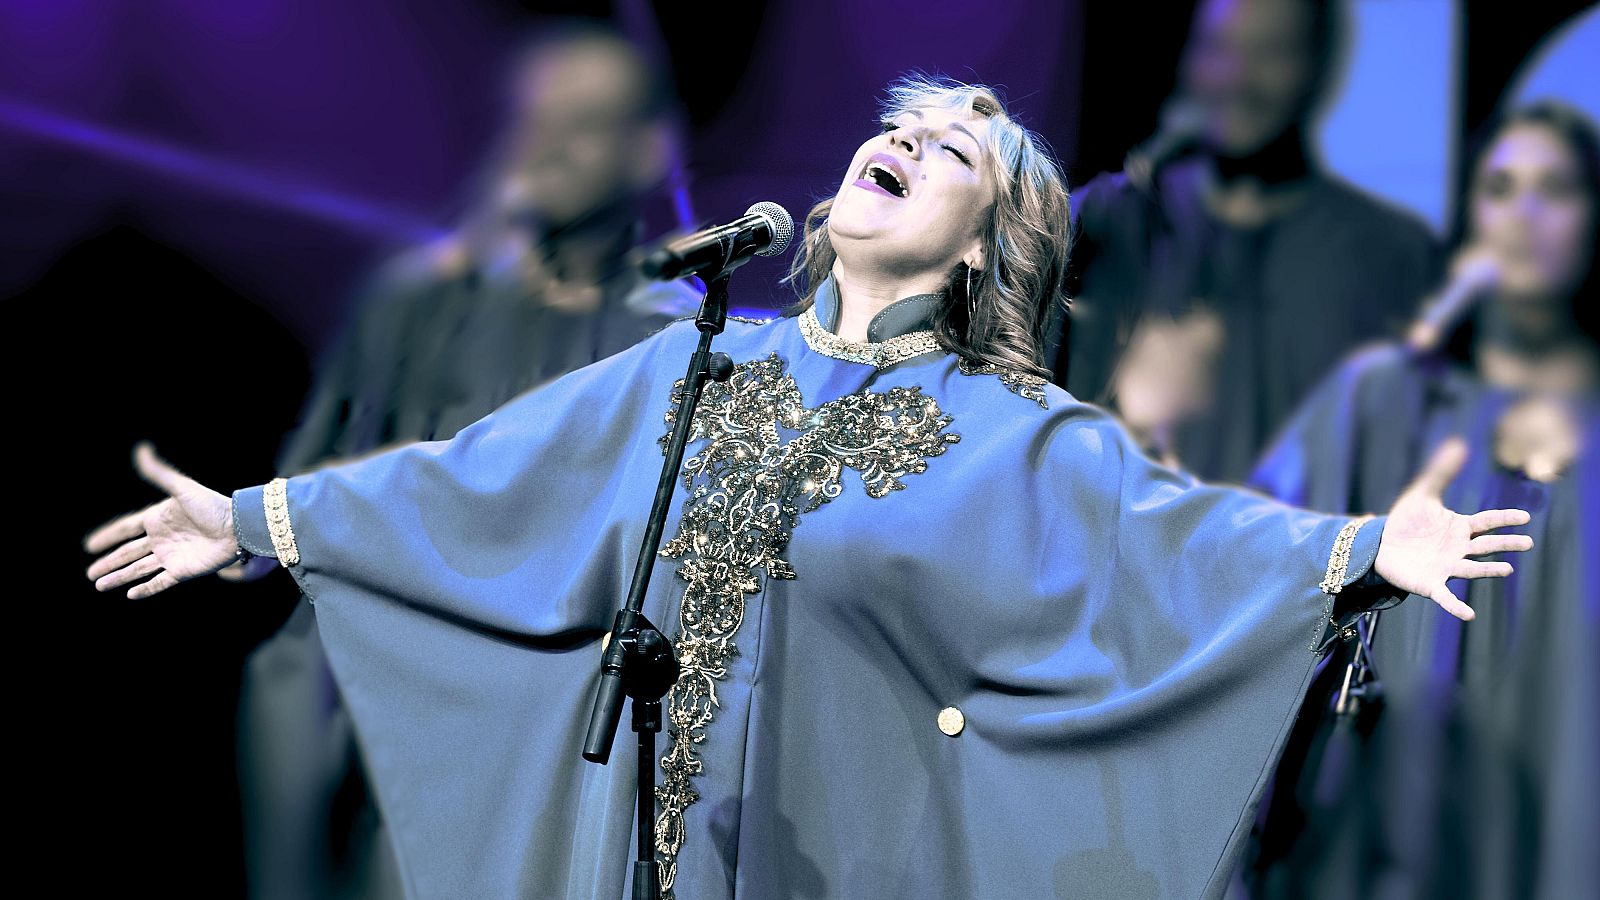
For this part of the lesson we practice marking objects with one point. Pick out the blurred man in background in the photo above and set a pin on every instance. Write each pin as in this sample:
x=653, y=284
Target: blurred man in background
x=1211, y=294
x=536, y=281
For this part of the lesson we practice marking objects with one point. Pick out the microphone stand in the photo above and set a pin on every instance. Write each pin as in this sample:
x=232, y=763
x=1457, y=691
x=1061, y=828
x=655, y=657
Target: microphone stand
x=638, y=661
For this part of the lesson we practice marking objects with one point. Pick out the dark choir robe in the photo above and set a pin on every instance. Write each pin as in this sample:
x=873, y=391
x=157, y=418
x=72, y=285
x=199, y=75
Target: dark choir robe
x=430, y=351
x=1294, y=296
x=1481, y=778
x=433, y=350
x=944, y=631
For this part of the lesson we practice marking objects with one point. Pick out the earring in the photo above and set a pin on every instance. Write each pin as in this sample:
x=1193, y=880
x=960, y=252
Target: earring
x=972, y=302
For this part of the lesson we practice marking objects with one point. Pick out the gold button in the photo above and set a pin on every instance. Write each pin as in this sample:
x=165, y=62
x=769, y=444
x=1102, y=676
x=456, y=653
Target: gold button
x=951, y=721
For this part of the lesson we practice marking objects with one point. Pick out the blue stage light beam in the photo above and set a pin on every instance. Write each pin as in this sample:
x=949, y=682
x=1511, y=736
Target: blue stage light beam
x=219, y=176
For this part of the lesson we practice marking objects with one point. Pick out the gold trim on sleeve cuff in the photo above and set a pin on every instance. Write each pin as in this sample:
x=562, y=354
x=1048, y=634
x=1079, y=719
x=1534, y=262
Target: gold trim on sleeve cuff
x=275, y=498
x=1339, y=559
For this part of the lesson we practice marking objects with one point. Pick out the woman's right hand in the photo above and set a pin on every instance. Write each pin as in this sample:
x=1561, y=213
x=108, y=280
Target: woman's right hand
x=187, y=535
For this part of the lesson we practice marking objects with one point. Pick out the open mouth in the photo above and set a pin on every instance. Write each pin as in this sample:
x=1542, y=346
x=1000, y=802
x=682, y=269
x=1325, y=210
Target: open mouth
x=883, y=173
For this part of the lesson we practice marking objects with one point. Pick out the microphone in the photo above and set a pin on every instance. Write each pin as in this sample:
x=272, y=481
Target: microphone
x=1476, y=276
x=1183, y=123
x=764, y=230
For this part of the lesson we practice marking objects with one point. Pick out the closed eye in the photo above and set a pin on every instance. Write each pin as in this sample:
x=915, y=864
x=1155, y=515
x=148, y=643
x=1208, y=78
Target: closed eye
x=959, y=155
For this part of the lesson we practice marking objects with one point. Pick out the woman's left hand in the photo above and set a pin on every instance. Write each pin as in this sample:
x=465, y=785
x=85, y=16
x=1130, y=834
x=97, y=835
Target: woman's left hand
x=187, y=535
x=1424, y=544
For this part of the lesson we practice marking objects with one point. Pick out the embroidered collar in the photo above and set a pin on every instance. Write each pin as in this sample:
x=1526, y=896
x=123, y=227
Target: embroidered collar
x=899, y=331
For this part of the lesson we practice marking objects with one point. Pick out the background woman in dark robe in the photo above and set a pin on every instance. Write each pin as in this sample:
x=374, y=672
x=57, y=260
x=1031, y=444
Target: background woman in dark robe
x=1482, y=776
x=992, y=662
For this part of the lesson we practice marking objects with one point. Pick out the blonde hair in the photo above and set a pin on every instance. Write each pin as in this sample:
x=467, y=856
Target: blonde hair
x=1025, y=240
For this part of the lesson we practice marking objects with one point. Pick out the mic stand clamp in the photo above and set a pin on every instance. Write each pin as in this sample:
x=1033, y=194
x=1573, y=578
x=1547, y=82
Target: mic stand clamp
x=649, y=669
x=1360, y=692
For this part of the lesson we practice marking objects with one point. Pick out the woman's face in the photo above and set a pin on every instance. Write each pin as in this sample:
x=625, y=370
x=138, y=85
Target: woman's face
x=915, y=198
x=1530, y=212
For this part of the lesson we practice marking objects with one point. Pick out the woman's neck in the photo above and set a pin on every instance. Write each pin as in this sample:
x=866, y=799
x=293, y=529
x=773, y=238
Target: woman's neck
x=864, y=292
x=1534, y=348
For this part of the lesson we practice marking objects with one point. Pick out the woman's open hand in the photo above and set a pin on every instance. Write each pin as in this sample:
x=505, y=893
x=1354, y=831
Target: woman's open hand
x=187, y=535
x=1424, y=544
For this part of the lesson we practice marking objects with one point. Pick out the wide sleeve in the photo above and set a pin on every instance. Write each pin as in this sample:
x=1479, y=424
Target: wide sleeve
x=1209, y=553
x=1201, y=613
x=461, y=589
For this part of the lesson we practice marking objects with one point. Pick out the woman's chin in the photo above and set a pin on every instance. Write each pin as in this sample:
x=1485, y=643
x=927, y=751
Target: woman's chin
x=1532, y=290
x=845, y=227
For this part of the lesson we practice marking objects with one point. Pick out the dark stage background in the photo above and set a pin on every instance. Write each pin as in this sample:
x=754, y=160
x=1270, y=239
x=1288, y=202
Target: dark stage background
x=189, y=193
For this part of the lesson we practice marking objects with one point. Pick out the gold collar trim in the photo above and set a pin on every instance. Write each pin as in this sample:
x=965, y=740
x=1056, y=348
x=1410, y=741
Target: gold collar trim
x=879, y=355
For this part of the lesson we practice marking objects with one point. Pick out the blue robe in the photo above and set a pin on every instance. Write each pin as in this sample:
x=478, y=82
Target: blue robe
x=879, y=542
x=1482, y=776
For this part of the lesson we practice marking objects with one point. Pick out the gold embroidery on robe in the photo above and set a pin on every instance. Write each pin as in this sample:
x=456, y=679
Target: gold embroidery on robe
x=1029, y=387
x=768, y=460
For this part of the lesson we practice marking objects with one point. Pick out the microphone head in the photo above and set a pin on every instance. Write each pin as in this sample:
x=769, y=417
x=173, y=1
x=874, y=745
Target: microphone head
x=779, y=222
x=655, y=263
x=1183, y=116
x=1183, y=123
x=1475, y=273
x=1478, y=271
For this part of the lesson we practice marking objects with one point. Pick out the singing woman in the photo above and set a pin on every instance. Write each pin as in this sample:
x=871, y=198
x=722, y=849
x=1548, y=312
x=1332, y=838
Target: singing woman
x=944, y=630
